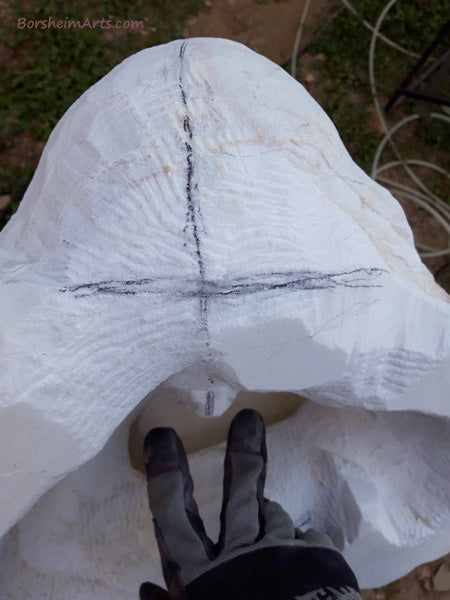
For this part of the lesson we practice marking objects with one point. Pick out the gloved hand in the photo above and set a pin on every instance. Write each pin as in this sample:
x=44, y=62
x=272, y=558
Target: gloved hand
x=258, y=556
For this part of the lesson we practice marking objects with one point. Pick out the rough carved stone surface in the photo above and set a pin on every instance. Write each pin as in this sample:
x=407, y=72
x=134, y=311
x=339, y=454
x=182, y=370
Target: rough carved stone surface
x=195, y=221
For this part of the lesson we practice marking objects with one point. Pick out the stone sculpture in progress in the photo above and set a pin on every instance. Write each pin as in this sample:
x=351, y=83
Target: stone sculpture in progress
x=196, y=229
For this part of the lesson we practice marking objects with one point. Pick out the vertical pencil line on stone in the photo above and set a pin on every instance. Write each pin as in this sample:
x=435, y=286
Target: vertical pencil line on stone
x=193, y=209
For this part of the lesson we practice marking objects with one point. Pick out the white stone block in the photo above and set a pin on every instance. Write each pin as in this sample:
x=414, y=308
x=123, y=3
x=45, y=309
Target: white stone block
x=196, y=221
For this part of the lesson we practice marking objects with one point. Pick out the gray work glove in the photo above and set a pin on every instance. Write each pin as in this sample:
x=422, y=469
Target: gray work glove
x=258, y=556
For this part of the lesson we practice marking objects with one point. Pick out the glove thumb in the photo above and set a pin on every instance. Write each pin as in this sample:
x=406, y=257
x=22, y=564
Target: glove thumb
x=150, y=591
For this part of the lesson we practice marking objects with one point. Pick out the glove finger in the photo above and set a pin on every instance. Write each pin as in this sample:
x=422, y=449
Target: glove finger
x=178, y=526
x=277, y=523
x=150, y=591
x=243, y=485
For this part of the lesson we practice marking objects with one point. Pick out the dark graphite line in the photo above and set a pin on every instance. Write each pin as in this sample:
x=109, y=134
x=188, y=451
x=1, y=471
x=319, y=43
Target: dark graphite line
x=192, y=209
x=261, y=283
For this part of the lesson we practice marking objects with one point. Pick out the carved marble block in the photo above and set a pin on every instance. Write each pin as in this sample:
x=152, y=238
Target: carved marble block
x=196, y=229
